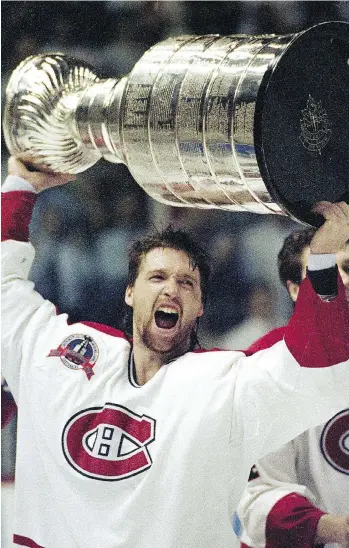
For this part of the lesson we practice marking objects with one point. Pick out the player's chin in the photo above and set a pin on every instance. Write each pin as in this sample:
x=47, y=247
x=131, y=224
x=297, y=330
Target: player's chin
x=167, y=341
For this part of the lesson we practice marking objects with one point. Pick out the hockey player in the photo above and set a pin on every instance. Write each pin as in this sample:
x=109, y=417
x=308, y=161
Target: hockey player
x=298, y=496
x=146, y=442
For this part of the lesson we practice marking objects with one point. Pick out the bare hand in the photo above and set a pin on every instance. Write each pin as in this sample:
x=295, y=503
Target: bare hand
x=334, y=233
x=333, y=529
x=38, y=175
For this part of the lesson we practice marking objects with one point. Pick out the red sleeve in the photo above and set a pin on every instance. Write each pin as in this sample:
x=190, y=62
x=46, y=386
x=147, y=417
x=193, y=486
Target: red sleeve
x=292, y=522
x=308, y=335
x=318, y=332
x=16, y=211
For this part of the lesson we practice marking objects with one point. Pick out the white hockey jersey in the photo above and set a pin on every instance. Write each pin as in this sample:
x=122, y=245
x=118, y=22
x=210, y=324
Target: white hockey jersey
x=103, y=462
x=315, y=466
x=293, y=487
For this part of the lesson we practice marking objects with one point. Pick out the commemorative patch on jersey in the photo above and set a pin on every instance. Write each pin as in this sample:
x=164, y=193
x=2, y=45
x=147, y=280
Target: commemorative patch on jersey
x=77, y=352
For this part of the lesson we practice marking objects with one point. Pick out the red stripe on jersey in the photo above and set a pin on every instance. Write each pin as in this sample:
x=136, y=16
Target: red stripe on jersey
x=292, y=522
x=25, y=541
x=267, y=340
x=16, y=212
x=202, y=350
x=106, y=329
x=317, y=334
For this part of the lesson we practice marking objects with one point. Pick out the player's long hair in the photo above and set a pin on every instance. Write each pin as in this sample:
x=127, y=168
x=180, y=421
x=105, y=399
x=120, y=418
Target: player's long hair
x=174, y=239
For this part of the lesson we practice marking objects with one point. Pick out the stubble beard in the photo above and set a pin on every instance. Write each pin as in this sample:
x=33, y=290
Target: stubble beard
x=168, y=349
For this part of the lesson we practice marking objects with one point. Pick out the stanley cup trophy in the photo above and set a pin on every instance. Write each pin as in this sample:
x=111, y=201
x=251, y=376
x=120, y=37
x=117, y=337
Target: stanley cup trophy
x=240, y=123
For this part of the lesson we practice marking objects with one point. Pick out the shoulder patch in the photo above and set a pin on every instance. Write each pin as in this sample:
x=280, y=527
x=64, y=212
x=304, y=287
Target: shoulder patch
x=77, y=352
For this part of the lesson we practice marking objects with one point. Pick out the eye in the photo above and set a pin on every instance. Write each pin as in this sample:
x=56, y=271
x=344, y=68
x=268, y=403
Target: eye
x=187, y=283
x=157, y=277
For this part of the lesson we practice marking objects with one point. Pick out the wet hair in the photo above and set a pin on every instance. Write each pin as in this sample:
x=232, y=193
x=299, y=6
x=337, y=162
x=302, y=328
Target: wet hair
x=290, y=256
x=173, y=239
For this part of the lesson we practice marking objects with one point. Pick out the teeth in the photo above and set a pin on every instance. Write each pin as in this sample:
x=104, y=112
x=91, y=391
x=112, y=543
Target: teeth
x=167, y=310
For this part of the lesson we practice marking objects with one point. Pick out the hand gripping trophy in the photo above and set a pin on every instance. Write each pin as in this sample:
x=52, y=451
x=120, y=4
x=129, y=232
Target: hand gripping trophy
x=241, y=123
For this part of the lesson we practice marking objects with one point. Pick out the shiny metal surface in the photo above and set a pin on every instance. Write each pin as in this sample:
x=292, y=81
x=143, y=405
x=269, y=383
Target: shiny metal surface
x=41, y=98
x=182, y=120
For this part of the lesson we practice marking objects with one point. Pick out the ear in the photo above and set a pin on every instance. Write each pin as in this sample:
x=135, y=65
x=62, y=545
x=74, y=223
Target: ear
x=129, y=296
x=293, y=290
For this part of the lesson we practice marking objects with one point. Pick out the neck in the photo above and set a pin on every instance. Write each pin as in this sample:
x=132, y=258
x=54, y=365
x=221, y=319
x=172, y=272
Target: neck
x=144, y=369
x=147, y=362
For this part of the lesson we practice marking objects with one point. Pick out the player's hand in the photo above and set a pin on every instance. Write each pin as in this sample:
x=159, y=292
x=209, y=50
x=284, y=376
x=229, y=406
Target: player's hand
x=334, y=233
x=38, y=175
x=333, y=529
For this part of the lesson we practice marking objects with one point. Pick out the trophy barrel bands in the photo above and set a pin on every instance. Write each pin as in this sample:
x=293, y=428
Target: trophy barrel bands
x=41, y=98
x=187, y=121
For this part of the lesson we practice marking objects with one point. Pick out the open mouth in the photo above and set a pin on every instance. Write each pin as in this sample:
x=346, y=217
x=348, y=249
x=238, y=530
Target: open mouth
x=166, y=318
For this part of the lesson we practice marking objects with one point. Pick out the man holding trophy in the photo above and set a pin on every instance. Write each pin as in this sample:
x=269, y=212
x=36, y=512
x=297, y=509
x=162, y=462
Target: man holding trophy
x=141, y=439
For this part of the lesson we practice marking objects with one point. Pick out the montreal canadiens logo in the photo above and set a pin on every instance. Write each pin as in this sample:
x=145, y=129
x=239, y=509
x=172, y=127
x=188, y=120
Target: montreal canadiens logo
x=108, y=443
x=78, y=352
x=334, y=442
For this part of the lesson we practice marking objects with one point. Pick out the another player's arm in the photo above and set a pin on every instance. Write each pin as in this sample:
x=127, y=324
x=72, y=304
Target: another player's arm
x=333, y=529
x=275, y=510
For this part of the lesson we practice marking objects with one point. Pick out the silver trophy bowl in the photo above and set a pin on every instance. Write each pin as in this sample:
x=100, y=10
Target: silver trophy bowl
x=240, y=123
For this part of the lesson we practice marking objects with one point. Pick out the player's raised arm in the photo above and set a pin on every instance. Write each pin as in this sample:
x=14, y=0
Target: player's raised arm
x=306, y=367
x=321, y=337
x=20, y=302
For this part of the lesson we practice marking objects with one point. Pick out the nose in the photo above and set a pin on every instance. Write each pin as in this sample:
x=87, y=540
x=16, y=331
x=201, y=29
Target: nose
x=170, y=287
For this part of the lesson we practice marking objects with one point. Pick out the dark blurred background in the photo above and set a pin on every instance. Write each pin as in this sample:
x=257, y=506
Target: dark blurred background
x=82, y=231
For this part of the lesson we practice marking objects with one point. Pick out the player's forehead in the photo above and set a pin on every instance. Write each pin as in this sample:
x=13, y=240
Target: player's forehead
x=169, y=260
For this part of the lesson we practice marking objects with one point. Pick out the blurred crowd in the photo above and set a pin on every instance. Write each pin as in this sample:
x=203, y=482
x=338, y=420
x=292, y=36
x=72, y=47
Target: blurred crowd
x=82, y=231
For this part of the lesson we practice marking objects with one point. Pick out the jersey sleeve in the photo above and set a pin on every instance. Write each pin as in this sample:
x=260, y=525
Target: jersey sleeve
x=318, y=332
x=275, y=510
x=25, y=314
